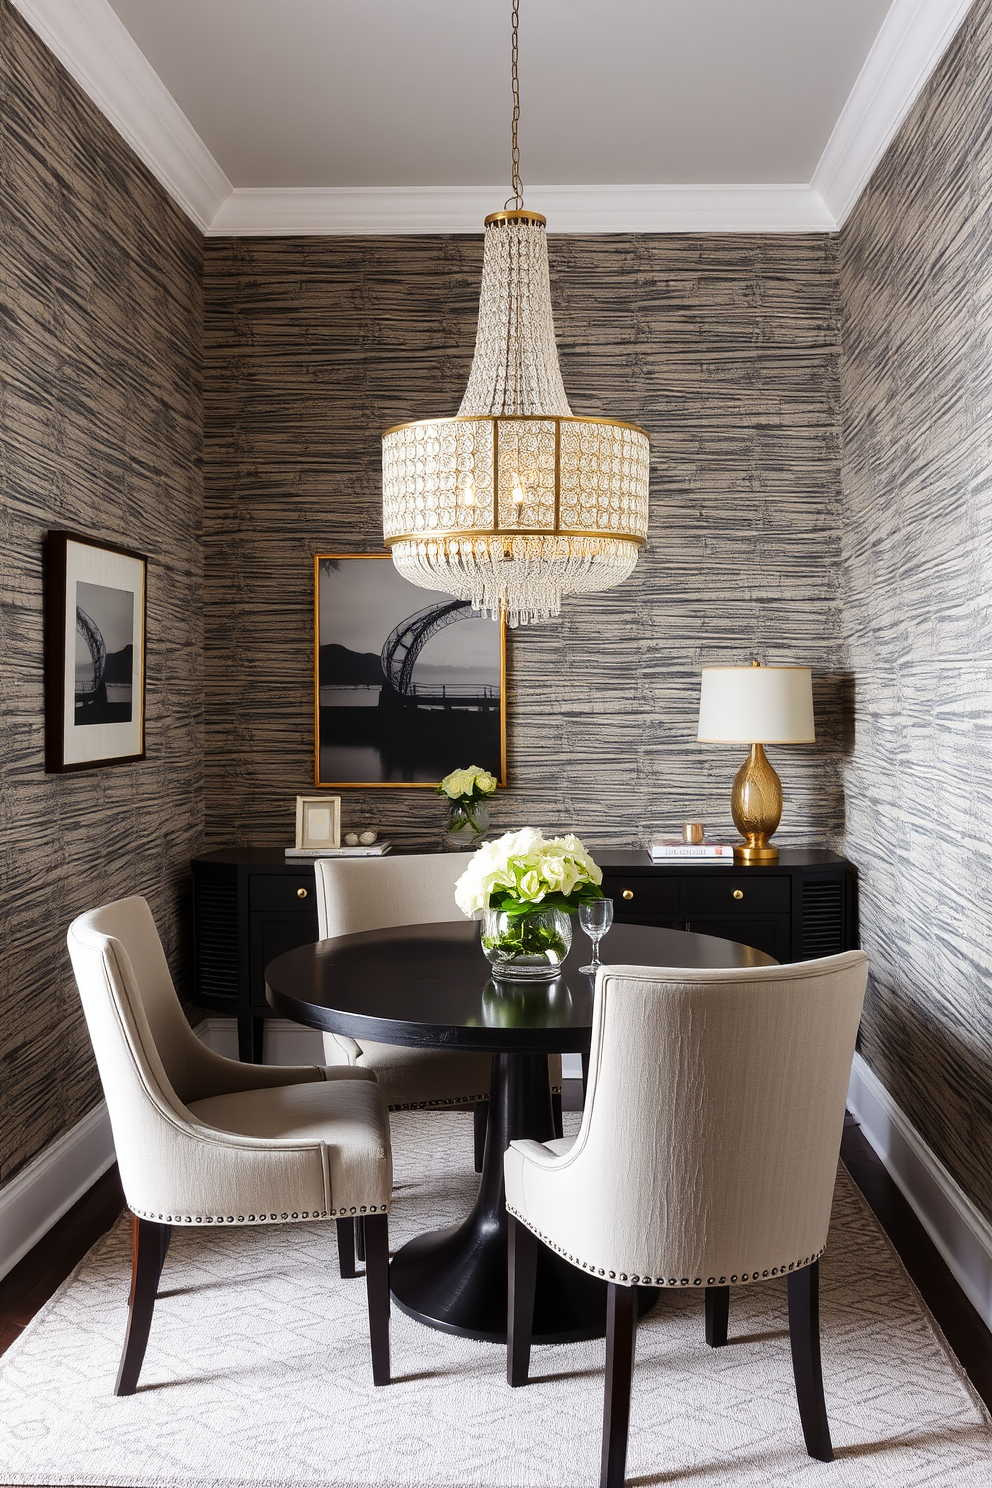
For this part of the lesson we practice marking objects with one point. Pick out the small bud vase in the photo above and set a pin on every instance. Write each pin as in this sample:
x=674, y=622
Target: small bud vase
x=528, y=947
x=467, y=824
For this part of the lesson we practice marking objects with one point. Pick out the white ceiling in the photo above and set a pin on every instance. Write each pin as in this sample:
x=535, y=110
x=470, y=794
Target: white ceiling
x=393, y=115
x=417, y=92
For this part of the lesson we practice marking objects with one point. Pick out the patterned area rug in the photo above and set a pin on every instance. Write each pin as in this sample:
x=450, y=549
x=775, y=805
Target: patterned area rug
x=257, y=1373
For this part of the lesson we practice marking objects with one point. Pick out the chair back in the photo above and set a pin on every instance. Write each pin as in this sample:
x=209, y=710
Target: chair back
x=372, y=893
x=714, y=1111
x=150, y=1061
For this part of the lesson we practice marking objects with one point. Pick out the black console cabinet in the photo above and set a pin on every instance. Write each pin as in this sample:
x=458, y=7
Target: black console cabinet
x=251, y=904
x=801, y=907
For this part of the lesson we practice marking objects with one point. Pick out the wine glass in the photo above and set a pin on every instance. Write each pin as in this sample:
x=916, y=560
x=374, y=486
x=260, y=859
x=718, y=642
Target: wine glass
x=595, y=918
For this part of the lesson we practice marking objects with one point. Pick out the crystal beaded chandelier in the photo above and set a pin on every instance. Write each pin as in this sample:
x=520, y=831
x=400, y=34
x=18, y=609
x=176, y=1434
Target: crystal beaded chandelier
x=515, y=501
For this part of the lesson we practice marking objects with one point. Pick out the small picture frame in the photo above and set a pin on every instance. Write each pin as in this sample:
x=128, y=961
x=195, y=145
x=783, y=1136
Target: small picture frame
x=94, y=653
x=318, y=822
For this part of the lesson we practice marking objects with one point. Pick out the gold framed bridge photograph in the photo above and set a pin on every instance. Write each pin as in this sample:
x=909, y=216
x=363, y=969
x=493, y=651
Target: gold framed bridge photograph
x=408, y=682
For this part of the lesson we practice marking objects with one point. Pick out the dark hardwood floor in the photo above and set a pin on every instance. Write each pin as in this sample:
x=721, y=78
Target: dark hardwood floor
x=28, y=1287
x=961, y=1325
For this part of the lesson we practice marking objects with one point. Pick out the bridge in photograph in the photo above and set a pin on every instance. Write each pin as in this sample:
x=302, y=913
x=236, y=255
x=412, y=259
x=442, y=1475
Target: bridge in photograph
x=399, y=657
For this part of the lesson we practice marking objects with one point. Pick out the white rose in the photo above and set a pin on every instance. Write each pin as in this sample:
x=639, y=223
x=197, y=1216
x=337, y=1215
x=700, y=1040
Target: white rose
x=531, y=887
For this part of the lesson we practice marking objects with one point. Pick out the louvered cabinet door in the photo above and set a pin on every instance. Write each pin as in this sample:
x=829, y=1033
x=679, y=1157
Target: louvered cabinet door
x=823, y=928
x=216, y=937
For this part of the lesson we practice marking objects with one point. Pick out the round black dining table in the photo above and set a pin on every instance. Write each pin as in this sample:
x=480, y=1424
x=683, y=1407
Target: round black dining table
x=429, y=986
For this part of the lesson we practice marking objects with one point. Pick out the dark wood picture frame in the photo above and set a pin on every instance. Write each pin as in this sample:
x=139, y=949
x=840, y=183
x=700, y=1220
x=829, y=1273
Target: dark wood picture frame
x=94, y=682
x=403, y=735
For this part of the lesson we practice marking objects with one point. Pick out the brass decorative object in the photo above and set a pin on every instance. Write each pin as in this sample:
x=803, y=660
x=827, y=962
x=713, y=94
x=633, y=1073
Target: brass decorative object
x=756, y=705
x=756, y=806
x=515, y=501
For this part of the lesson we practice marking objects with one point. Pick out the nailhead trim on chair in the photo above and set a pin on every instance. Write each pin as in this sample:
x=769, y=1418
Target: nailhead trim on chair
x=220, y=1219
x=672, y=1281
x=454, y=1100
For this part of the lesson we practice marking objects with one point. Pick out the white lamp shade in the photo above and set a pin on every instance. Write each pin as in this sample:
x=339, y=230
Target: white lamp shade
x=756, y=705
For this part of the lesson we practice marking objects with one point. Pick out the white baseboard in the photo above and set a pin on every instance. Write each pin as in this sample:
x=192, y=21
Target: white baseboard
x=961, y=1234
x=284, y=1042
x=289, y=1043
x=42, y=1192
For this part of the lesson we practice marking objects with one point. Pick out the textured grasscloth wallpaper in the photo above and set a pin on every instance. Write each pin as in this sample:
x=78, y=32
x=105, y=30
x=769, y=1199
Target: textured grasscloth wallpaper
x=724, y=348
x=100, y=432
x=916, y=275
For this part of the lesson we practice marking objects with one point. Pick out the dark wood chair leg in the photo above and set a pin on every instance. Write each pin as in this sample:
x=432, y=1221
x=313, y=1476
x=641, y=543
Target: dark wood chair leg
x=346, y=1247
x=149, y=1243
x=521, y=1253
x=377, y=1285
x=481, y=1119
x=556, y=1113
x=717, y=1315
x=360, y=1238
x=621, y=1337
x=804, y=1336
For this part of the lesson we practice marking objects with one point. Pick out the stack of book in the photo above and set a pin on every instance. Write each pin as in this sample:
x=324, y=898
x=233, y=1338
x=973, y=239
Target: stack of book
x=674, y=850
x=374, y=850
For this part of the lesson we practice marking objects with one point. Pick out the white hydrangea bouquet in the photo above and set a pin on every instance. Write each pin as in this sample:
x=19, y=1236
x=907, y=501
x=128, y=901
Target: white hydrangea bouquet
x=525, y=887
x=469, y=791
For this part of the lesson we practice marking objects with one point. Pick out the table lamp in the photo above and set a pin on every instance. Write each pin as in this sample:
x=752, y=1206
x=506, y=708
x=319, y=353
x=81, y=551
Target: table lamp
x=756, y=705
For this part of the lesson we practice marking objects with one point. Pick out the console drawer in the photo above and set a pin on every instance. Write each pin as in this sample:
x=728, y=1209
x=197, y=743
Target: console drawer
x=281, y=891
x=635, y=896
x=737, y=893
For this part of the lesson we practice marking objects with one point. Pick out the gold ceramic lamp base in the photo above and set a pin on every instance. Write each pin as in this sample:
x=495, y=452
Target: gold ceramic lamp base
x=756, y=805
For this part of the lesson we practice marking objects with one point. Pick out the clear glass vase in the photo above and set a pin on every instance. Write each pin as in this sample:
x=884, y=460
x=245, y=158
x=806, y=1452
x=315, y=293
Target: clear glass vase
x=529, y=947
x=467, y=824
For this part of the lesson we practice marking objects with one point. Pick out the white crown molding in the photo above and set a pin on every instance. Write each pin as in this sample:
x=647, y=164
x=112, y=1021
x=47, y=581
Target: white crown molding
x=913, y=37
x=42, y=1192
x=961, y=1234
x=94, y=46
x=569, y=209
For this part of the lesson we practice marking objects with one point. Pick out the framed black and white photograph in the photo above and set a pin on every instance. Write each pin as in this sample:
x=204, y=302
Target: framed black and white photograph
x=409, y=683
x=94, y=654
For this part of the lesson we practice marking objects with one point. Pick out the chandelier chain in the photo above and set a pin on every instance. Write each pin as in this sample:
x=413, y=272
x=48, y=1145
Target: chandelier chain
x=515, y=181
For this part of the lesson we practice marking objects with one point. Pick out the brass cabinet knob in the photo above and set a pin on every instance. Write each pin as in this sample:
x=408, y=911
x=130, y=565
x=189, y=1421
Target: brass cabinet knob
x=628, y=893
x=301, y=893
x=738, y=893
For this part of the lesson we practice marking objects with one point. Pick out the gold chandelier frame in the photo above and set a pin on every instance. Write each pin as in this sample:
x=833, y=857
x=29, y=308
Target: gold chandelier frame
x=495, y=528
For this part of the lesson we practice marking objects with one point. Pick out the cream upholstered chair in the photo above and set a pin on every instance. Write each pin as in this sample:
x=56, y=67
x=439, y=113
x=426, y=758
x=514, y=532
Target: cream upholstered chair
x=203, y=1140
x=374, y=893
x=706, y=1158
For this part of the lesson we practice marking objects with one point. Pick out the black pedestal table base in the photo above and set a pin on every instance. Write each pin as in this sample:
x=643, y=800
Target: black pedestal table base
x=420, y=986
x=455, y=1279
